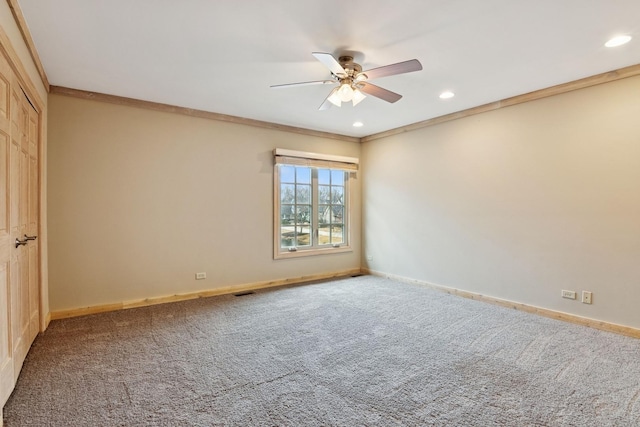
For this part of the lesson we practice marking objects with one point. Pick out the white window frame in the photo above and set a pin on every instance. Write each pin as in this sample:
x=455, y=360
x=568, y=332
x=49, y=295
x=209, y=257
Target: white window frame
x=317, y=161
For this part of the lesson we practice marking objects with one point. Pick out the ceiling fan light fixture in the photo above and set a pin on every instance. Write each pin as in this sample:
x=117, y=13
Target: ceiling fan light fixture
x=353, y=82
x=357, y=97
x=345, y=92
x=334, y=98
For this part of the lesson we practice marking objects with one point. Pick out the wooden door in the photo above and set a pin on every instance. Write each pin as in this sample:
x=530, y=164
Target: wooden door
x=33, y=222
x=23, y=297
x=6, y=360
x=19, y=156
x=19, y=217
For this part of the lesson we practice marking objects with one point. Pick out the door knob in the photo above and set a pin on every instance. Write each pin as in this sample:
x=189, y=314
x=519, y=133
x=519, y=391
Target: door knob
x=21, y=242
x=30, y=237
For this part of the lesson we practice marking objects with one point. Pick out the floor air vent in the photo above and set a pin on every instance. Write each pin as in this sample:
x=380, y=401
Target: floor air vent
x=241, y=294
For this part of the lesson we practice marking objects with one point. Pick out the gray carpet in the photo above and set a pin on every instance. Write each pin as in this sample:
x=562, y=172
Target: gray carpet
x=362, y=351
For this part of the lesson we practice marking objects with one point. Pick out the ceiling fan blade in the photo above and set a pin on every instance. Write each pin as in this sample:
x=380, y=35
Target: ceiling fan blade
x=330, y=62
x=316, y=82
x=393, y=69
x=327, y=104
x=378, y=92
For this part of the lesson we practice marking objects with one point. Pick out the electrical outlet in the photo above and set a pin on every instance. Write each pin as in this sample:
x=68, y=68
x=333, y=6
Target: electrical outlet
x=369, y=258
x=200, y=276
x=586, y=297
x=569, y=294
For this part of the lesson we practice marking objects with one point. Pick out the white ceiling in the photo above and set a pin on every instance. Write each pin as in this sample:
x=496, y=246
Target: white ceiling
x=222, y=55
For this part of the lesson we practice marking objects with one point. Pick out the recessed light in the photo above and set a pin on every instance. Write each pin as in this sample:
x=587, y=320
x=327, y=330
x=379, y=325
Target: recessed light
x=447, y=95
x=618, y=41
x=358, y=124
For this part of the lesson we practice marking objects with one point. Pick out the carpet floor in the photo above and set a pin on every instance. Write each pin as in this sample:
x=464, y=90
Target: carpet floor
x=363, y=351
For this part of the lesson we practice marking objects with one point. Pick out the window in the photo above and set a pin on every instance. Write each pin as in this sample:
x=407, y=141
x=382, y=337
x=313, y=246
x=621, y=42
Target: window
x=311, y=206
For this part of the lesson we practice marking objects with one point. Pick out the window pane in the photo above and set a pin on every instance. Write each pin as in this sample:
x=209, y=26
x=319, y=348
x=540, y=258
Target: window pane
x=303, y=175
x=287, y=214
x=324, y=234
x=303, y=236
x=324, y=194
x=303, y=194
x=331, y=234
x=287, y=194
x=324, y=214
x=337, y=215
x=303, y=214
x=287, y=237
x=287, y=174
x=337, y=177
x=337, y=234
x=324, y=176
x=337, y=195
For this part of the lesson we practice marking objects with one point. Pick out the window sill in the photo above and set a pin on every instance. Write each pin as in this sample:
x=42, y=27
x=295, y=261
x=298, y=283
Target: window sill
x=312, y=252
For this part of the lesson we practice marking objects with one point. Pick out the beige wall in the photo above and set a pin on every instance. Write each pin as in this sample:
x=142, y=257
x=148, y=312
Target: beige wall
x=139, y=201
x=517, y=203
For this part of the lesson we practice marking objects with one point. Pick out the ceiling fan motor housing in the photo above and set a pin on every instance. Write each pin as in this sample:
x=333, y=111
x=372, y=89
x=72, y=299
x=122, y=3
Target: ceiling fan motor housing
x=349, y=66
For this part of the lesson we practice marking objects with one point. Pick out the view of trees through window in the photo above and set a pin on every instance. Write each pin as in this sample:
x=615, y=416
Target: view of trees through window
x=312, y=207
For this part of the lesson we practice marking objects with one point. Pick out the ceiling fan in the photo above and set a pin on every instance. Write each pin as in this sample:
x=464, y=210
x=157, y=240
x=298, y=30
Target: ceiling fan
x=353, y=83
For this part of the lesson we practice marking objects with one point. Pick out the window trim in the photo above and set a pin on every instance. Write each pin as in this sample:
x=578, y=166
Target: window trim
x=319, y=161
x=339, y=162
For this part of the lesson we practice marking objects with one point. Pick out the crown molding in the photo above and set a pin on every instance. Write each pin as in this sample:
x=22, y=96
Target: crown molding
x=610, y=76
x=130, y=102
